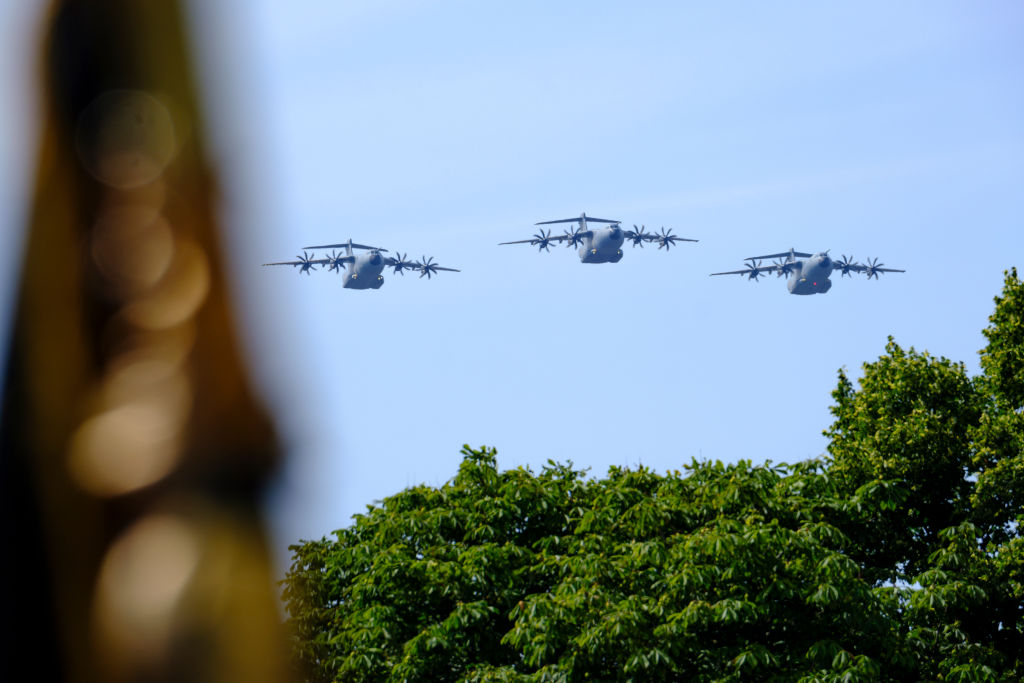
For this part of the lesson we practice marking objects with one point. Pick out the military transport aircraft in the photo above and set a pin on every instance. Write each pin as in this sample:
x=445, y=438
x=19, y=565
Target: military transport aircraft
x=809, y=274
x=599, y=245
x=363, y=270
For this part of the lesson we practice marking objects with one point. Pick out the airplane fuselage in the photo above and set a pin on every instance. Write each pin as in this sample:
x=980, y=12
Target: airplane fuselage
x=365, y=271
x=603, y=245
x=811, y=275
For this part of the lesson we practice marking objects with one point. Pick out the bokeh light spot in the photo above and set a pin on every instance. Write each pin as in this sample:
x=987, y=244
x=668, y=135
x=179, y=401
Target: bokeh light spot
x=125, y=138
x=140, y=585
x=136, y=442
x=178, y=295
x=132, y=247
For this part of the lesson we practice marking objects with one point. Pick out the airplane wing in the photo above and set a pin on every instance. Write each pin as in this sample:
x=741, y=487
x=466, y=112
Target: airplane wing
x=316, y=262
x=428, y=267
x=552, y=238
x=871, y=267
x=653, y=237
x=665, y=238
x=344, y=244
x=760, y=270
x=577, y=220
x=860, y=268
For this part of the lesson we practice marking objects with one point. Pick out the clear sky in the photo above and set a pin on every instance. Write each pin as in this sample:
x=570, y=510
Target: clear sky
x=877, y=129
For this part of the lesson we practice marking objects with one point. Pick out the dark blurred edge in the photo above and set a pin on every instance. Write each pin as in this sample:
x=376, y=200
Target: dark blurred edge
x=54, y=534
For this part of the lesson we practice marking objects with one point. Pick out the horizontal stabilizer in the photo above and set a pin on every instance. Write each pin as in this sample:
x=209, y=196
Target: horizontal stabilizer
x=784, y=254
x=344, y=244
x=577, y=220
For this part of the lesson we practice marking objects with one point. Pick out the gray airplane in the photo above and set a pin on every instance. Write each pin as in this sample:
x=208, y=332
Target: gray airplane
x=362, y=271
x=809, y=274
x=599, y=245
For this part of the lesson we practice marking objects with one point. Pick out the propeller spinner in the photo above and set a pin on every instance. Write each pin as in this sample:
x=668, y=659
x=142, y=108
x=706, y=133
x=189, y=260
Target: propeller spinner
x=306, y=264
x=573, y=238
x=872, y=268
x=784, y=267
x=335, y=261
x=845, y=265
x=667, y=239
x=543, y=241
x=639, y=235
x=401, y=264
x=754, y=270
x=428, y=267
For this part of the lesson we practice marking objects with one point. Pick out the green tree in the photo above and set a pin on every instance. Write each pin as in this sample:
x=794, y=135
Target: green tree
x=719, y=573
x=898, y=557
x=979, y=584
x=998, y=497
x=1002, y=360
x=908, y=426
x=937, y=459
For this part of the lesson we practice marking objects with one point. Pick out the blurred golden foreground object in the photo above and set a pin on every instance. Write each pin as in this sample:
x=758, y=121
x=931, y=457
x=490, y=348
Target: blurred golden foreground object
x=134, y=452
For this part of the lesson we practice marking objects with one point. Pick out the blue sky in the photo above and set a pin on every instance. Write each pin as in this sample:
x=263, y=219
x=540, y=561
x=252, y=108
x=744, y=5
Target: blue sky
x=881, y=129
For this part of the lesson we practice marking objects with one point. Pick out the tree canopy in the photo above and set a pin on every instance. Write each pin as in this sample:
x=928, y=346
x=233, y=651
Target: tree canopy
x=898, y=556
